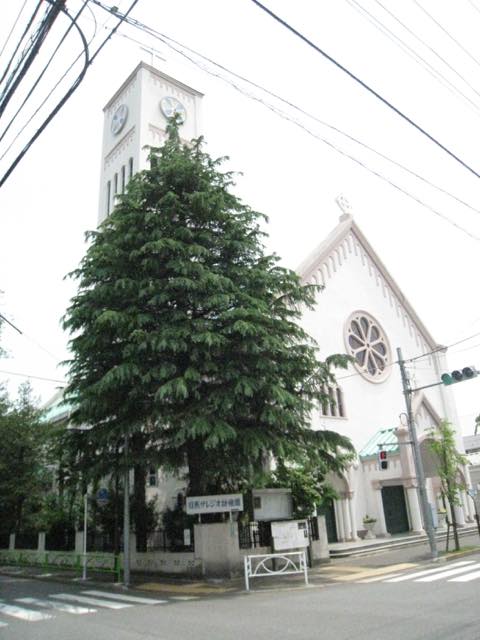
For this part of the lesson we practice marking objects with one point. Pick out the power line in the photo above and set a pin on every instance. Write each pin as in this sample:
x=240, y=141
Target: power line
x=447, y=33
x=412, y=53
x=28, y=375
x=87, y=63
x=167, y=41
x=13, y=27
x=431, y=49
x=367, y=87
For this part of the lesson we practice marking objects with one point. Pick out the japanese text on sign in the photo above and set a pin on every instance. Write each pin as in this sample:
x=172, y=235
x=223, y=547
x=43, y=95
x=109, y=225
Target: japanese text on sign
x=214, y=504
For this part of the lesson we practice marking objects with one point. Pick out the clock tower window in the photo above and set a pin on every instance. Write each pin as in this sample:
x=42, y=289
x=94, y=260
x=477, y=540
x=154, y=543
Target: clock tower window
x=115, y=184
x=130, y=168
x=109, y=195
x=123, y=178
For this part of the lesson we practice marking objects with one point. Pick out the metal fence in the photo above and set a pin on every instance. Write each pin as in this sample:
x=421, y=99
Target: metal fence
x=26, y=540
x=254, y=534
x=313, y=532
x=60, y=540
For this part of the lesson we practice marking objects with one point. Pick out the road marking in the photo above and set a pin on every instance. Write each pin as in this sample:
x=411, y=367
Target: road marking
x=121, y=596
x=109, y=604
x=375, y=571
x=420, y=574
x=185, y=598
x=23, y=614
x=3, y=624
x=59, y=606
x=447, y=573
x=470, y=576
x=379, y=578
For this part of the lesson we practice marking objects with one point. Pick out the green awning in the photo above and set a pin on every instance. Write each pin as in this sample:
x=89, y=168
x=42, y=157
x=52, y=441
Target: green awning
x=386, y=437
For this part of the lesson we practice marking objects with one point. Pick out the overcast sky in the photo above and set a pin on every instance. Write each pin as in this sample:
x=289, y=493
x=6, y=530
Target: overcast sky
x=289, y=173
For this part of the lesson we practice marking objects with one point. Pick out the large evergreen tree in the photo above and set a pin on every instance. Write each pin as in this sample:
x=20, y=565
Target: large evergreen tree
x=186, y=333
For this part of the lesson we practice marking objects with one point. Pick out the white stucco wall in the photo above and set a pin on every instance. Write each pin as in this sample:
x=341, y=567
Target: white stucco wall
x=352, y=282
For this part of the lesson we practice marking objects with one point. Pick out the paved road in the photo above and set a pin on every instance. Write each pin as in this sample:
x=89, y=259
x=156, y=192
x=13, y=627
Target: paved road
x=415, y=603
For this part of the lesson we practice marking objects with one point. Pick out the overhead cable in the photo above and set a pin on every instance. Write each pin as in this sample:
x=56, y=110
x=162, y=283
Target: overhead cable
x=366, y=87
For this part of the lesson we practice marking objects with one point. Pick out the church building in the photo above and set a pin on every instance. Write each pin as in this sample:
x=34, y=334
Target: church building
x=361, y=311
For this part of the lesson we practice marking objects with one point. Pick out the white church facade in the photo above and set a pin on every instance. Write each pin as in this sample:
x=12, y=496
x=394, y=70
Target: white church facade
x=361, y=311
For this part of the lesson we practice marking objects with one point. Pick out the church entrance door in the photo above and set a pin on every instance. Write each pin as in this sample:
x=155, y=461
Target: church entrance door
x=395, y=509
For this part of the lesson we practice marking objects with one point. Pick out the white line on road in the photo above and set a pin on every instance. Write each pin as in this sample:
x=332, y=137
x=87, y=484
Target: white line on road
x=59, y=606
x=3, y=624
x=419, y=574
x=470, y=576
x=109, y=604
x=448, y=573
x=23, y=614
x=379, y=578
x=126, y=598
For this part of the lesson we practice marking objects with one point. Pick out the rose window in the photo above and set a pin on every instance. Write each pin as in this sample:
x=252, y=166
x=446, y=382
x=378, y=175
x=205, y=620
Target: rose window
x=367, y=344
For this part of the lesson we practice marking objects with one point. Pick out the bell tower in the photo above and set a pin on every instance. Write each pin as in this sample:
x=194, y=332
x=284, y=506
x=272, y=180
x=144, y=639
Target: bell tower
x=135, y=118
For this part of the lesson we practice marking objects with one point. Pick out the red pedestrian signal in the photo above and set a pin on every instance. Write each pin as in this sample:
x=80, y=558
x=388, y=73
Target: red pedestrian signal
x=382, y=460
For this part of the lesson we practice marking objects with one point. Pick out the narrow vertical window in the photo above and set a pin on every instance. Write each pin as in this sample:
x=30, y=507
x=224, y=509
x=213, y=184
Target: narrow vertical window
x=130, y=168
x=340, y=407
x=333, y=408
x=109, y=195
x=123, y=178
x=115, y=184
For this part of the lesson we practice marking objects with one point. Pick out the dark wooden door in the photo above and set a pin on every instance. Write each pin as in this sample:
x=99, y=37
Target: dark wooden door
x=329, y=512
x=395, y=509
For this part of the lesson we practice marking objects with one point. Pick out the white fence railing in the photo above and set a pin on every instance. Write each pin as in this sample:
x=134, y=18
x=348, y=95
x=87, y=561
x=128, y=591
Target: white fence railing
x=275, y=564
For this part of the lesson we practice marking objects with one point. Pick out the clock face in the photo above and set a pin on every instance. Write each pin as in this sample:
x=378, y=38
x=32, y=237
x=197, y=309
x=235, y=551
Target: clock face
x=171, y=106
x=119, y=119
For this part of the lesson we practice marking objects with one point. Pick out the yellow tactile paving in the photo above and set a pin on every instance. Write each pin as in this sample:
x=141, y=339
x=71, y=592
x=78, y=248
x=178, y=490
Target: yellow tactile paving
x=191, y=589
x=368, y=572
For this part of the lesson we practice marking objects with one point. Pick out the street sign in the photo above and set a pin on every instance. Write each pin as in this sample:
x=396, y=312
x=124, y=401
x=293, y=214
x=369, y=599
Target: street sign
x=214, y=504
x=102, y=497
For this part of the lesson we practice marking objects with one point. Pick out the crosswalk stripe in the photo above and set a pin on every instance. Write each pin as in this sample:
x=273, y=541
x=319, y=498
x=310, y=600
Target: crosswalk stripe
x=379, y=578
x=420, y=574
x=3, y=624
x=467, y=578
x=59, y=606
x=448, y=573
x=123, y=597
x=109, y=604
x=22, y=613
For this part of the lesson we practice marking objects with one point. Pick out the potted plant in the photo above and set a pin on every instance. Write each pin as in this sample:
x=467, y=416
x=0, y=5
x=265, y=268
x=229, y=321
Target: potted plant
x=369, y=523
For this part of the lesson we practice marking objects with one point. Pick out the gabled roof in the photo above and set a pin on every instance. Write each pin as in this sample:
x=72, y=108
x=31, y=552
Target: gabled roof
x=325, y=249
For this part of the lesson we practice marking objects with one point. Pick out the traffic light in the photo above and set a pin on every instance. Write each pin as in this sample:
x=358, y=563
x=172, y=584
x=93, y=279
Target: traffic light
x=382, y=460
x=459, y=375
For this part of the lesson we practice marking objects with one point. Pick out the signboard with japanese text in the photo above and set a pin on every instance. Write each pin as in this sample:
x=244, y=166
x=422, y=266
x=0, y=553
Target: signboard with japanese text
x=214, y=504
x=289, y=535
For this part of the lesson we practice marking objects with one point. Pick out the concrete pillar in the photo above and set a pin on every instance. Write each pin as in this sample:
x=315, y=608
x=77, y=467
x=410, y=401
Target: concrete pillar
x=346, y=519
x=217, y=546
x=11, y=542
x=459, y=515
x=414, y=508
x=319, y=548
x=351, y=511
x=41, y=541
x=380, y=526
x=339, y=521
x=78, y=541
x=467, y=507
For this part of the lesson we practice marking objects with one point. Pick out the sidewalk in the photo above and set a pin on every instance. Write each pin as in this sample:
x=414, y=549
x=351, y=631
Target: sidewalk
x=350, y=562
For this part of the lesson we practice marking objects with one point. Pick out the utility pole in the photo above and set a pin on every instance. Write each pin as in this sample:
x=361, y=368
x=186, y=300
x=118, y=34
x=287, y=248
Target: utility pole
x=126, y=519
x=426, y=510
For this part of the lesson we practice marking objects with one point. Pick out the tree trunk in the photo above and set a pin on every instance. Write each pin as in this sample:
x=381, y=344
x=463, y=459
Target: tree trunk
x=196, y=462
x=140, y=511
x=451, y=502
